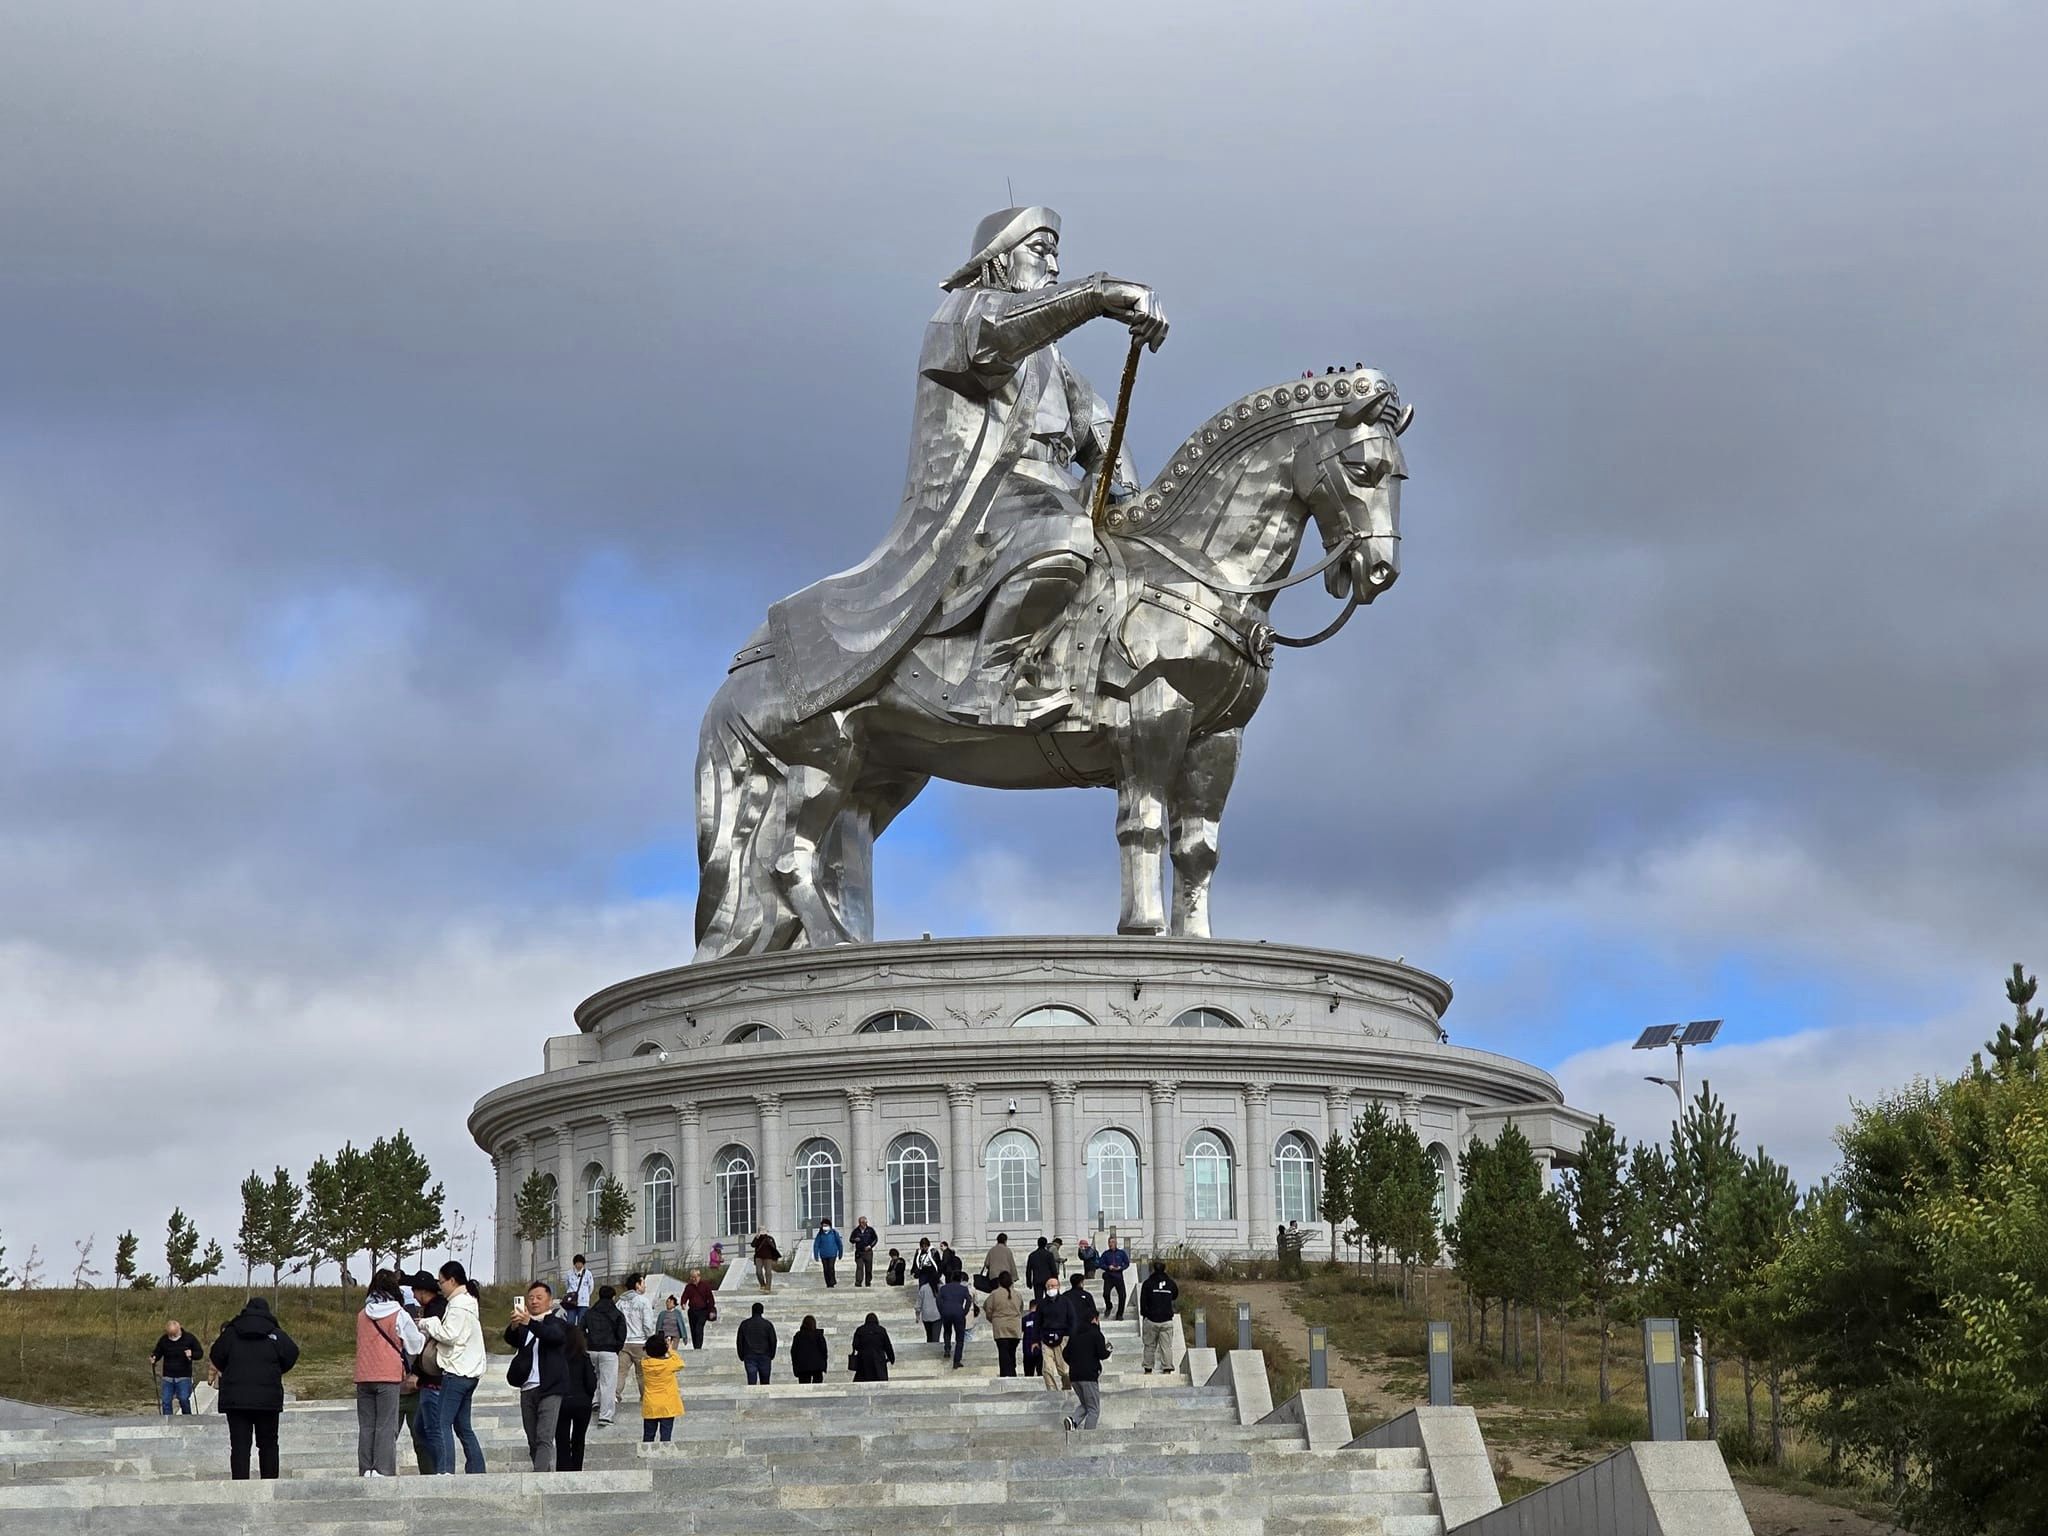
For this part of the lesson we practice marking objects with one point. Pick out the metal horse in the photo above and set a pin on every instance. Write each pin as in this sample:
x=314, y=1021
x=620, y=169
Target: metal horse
x=1168, y=650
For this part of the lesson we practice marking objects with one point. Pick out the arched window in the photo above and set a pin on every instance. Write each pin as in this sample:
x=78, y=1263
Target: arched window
x=1113, y=1176
x=753, y=1034
x=1052, y=1015
x=1295, y=1196
x=658, y=1201
x=893, y=1023
x=1212, y=1194
x=1440, y=1155
x=734, y=1183
x=593, y=1191
x=551, y=1245
x=820, y=1185
x=647, y=1048
x=1012, y=1179
x=913, y=1181
x=1205, y=1018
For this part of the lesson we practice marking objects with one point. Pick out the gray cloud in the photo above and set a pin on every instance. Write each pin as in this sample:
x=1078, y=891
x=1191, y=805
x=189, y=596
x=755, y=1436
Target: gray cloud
x=403, y=413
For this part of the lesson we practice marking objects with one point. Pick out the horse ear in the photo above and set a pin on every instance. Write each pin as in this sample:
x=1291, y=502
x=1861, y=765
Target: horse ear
x=1360, y=411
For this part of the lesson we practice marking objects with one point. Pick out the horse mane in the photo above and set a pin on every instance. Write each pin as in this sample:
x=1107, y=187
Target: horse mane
x=1226, y=437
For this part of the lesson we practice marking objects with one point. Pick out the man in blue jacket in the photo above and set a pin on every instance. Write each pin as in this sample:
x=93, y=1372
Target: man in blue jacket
x=1113, y=1261
x=826, y=1248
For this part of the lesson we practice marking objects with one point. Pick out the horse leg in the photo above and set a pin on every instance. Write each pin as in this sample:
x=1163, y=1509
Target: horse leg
x=849, y=865
x=818, y=793
x=1149, y=748
x=1206, y=771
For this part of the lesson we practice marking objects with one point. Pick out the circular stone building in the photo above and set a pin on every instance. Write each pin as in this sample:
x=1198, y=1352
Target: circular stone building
x=1180, y=1090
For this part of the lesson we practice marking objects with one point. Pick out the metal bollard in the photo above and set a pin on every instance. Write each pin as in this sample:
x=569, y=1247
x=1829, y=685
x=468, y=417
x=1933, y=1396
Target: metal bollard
x=1319, y=1357
x=1664, y=1378
x=1439, y=1365
x=1244, y=1325
x=1201, y=1329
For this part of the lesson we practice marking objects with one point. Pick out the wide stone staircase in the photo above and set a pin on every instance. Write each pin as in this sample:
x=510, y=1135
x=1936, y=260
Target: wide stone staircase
x=931, y=1447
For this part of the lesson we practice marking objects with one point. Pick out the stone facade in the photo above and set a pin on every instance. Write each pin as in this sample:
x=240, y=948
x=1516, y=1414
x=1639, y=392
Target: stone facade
x=1179, y=1090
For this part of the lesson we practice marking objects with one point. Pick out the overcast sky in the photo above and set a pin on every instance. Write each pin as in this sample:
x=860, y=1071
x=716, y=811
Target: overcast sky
x=404, y=410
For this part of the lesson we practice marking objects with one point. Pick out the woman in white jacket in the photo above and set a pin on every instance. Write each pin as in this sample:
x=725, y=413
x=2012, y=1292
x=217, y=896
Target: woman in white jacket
x=458, y=1339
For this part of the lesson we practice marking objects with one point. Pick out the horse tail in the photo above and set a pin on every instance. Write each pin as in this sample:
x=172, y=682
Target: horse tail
x=742, y=813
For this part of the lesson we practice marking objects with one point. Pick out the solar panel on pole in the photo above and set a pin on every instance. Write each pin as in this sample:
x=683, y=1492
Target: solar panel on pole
x=1656, y=1037
x=1700, y=1032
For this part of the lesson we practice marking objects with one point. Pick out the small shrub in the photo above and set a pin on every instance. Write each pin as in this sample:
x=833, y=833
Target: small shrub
x=1740, y=1449
x=1616, y=1421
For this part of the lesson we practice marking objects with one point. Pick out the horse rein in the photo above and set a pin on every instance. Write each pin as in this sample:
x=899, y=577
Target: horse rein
x=1342, y=546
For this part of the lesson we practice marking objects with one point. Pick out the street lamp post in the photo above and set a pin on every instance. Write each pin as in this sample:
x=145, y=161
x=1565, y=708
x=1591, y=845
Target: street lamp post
x=1678, y=1037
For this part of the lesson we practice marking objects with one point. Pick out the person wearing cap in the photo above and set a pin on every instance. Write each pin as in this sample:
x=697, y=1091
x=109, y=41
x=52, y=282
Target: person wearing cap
x=993, y=525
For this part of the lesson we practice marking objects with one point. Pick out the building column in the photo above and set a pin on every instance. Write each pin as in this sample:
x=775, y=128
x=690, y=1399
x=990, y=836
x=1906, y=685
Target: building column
x=774, y=1173
x=1258, y=1165
x=1411, y=1112
x=1165, y=1159
x=690, y=1232
x=1066, y=1206
x=860, y=1153
x=568, y=1209
x=1337, y=1123
x=505, y=1219
x=621, y=1244
x=961, y=1160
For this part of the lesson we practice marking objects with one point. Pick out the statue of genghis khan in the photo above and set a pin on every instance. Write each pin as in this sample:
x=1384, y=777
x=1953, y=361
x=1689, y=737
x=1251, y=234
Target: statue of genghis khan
x=994, y=521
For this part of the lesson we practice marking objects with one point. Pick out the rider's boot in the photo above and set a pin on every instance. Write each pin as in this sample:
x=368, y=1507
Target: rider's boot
x=997, y=690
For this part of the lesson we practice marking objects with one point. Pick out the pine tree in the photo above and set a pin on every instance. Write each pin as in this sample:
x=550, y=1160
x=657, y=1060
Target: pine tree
x=338, y=1205
x=83, y=1273
x=6, y=1274
x=614, y=1209
x=181, y=1242
x=2016, y=1050
x=1601, y=1201
x=125, y=1274
x=1749, y=1226
x=1335, y=1204
x=402, y=1212
x=1373, y=1166
x=284, y=1223
x=252, y=1238
x=534, y=1210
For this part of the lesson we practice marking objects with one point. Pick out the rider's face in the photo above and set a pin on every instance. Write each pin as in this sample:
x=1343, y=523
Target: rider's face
x=1036, y=262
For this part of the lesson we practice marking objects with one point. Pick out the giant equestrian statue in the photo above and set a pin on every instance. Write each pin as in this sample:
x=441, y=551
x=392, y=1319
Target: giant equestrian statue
x=1034, y=618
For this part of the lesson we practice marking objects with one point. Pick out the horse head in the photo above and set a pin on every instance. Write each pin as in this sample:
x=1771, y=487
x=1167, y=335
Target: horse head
x=1349, y=476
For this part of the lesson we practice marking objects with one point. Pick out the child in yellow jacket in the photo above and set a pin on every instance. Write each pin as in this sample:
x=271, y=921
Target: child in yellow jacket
x=661, y=1396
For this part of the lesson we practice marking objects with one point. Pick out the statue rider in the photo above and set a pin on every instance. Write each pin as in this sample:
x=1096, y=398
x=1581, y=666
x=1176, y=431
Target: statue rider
x=994, y=521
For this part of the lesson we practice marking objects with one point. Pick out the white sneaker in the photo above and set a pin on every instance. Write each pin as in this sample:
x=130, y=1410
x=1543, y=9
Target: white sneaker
x=372, y=1472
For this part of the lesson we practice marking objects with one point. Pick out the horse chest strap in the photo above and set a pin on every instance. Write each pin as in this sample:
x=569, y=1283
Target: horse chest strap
x=1221, y=625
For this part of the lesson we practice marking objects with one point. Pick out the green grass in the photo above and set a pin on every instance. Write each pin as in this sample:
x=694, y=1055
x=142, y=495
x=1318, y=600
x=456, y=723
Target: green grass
x=1286, y=1371
x=89, y=1350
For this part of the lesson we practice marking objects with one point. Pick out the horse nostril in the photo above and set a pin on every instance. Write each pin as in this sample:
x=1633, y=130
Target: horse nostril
x=1380, y=574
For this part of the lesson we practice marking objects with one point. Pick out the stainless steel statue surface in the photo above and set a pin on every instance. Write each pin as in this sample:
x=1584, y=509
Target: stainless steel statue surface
x=999, y=636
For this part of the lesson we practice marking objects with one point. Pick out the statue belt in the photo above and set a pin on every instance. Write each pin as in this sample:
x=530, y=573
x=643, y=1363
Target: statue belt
x=1049, y=450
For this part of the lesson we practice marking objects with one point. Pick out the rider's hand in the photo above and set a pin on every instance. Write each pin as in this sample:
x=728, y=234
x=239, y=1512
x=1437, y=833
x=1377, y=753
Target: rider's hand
x=1138, y=307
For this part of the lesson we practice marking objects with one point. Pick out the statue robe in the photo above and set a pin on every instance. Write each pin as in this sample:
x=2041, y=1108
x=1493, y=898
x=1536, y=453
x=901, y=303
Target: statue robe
x=974, y=508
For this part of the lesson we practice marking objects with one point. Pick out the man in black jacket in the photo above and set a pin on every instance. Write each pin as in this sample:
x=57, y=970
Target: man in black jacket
x=757, y=1347
x=1086, y=1349
x=1043, y=1265
x=535, y=1334
x=1156, y=1300
x=604, y=1325
x=252, y=1355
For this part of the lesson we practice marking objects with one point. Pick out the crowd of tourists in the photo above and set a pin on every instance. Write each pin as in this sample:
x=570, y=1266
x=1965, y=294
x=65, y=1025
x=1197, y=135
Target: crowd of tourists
x=420, y=1350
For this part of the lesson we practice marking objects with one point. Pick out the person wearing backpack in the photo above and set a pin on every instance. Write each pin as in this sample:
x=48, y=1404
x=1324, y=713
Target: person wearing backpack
x=252, y=1355
x=579, y=1398
x=387, y=1341
x=604, y=1327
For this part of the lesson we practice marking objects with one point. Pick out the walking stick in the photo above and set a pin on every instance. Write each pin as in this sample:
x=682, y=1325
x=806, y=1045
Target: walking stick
x=1107, y=469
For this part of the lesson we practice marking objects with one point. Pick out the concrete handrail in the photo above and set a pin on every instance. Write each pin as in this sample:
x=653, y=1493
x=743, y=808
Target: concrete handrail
x=1455, y=1453
x=1321, y=1412
x=1650, y=1488
x=1244, y=1372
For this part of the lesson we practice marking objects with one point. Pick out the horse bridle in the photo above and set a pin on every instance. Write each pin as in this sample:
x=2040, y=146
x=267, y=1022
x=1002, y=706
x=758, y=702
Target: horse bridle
x=1338, y=549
